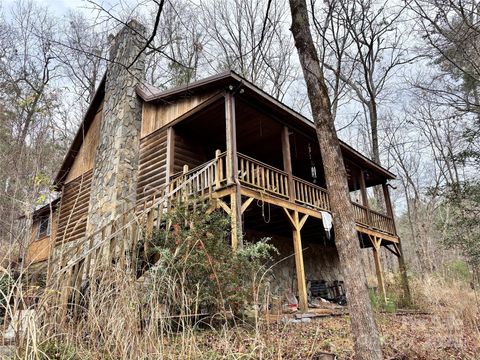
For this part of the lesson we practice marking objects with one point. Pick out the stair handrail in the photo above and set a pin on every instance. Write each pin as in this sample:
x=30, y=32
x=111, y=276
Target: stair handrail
x=166, y=196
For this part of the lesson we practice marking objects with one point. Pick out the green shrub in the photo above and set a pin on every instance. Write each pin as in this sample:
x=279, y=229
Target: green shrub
x=51, y=349
x=457, y=270
x=58, y=351
x=197, y=270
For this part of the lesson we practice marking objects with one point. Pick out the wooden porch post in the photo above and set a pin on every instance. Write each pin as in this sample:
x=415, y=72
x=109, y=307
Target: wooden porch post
x=363, y=190
x=297, y=225
x=287, y=162
x=401, y=260
x=170, y=154
x=232, y=171
x=377, y=242
x=231, y=137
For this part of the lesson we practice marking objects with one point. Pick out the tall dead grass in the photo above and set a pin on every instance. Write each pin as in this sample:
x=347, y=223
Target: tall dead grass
x=121, y=317
x=447, y=317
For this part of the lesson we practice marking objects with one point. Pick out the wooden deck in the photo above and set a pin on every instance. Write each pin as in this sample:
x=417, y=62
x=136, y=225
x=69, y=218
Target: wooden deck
x=261, y=181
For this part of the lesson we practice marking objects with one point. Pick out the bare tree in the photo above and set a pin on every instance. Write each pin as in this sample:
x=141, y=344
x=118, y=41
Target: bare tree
x=367, y=343
x=450, y=116
x=81, y=51
x=28, y=71
x=181, y=39
x=242, y=39
x=452, y=35
x=364, y=46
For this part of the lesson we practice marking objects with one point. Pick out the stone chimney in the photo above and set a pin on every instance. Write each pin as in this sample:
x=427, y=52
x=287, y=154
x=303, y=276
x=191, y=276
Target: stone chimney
x=114, y=178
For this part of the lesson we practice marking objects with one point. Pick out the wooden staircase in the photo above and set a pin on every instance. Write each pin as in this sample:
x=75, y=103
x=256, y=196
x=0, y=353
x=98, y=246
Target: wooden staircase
x=74, y=264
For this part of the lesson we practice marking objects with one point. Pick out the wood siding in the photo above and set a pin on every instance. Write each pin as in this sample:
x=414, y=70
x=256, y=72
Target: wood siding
x=39, y=249
x=86, y=155
x=187, y=152
x=72, y=221
x=156, y=116
x=152, y=164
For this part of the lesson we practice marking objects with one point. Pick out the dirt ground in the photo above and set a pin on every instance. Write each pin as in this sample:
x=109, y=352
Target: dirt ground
x=402, y=336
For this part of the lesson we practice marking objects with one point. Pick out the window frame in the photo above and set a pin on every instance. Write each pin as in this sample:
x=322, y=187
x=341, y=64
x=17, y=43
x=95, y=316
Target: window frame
x=46, y=233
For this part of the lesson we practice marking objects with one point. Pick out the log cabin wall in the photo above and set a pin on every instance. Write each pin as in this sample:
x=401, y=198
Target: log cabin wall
x=153, y=160
x=72, y=219
x=152, y=164
x=189, y=152
x=153, y=143
x=73, y=210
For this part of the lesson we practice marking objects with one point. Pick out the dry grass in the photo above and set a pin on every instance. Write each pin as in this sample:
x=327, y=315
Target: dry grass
x=123, y=320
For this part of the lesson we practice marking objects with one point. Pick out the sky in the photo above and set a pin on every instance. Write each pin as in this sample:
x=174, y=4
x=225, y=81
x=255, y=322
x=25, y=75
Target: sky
x=59, y=7
x=62, y=6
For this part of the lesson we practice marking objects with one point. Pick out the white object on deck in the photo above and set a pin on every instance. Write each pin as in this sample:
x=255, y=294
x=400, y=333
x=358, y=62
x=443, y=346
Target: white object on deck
x=327, y=222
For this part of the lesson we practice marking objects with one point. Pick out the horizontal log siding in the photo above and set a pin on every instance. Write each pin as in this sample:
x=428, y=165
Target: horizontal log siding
x=152, y=164
x=186, y=153
x=72, y=221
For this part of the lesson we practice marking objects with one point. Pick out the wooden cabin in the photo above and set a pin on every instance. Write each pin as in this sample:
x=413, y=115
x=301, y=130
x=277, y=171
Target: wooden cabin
x=269, y=171
x=251, y=155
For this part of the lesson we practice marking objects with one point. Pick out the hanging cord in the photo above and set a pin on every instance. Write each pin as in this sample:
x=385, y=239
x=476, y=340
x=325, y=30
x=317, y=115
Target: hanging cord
x=261, y=203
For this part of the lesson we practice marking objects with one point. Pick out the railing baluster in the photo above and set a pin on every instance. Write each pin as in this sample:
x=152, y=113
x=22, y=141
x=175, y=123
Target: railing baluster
x=267, y=174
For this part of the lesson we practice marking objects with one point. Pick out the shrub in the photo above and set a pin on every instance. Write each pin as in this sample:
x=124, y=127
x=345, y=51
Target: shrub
x=196, y=268
x=457, y=270
x=55, y=350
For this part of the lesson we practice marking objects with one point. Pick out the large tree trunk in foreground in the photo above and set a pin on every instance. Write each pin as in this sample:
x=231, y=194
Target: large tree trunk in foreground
x=367, y=343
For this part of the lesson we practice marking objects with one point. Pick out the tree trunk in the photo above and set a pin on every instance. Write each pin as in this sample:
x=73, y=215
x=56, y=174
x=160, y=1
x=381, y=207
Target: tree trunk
x=373, y=115
x=367, y=343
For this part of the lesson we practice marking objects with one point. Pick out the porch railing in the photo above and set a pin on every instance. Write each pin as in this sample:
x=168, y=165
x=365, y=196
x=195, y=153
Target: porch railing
x=371, y=218
x=310, y=194
x=381, y=222
x=361, y=213
x=263, y=177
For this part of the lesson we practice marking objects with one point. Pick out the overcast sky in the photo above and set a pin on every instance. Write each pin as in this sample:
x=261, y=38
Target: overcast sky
x=59, y=7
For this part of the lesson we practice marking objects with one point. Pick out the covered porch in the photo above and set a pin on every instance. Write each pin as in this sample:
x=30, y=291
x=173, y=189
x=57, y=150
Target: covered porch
x=259, y=158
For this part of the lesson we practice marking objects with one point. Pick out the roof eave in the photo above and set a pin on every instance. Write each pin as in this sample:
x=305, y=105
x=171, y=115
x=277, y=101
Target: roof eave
x=147, y=95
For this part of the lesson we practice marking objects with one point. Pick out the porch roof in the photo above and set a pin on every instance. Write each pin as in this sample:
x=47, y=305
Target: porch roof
x=231, y=79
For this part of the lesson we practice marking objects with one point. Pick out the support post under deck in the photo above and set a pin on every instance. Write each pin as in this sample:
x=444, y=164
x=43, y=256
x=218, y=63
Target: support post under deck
x=377, y=242
x=232, y=171
x=297, y=225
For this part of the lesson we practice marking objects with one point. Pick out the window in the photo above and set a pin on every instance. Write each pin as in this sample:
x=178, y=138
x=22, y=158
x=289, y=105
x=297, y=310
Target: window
x=43, y=227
